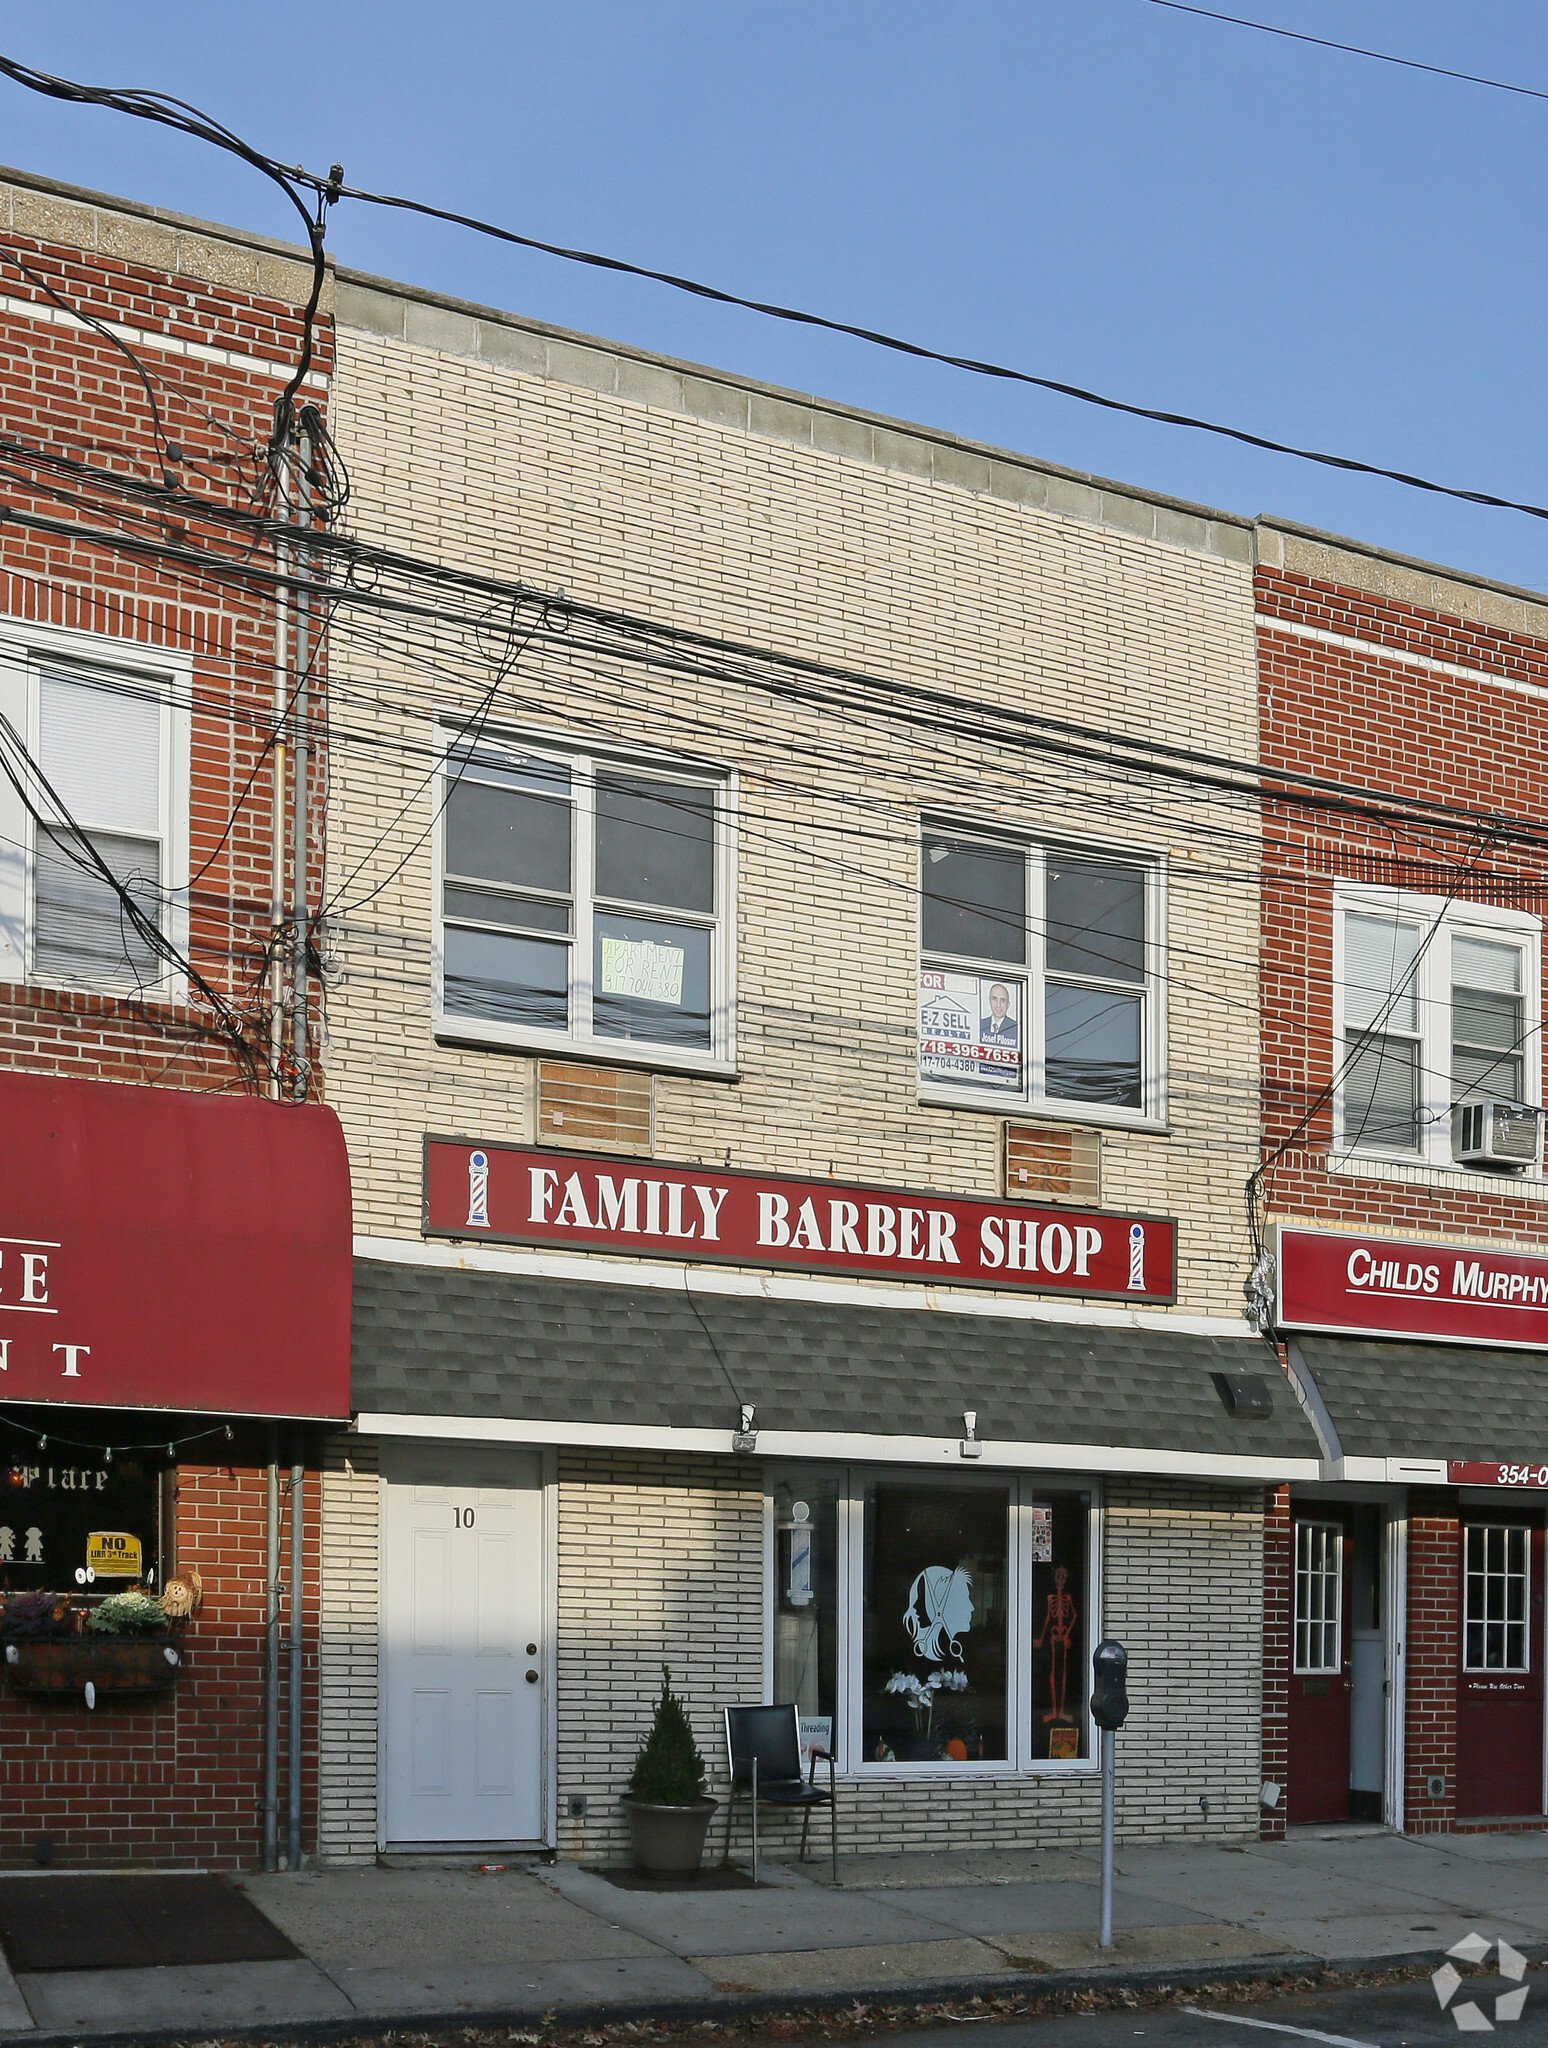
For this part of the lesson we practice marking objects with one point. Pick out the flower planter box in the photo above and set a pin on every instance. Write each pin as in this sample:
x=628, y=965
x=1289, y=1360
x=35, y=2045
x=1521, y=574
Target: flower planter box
x=149, y=1664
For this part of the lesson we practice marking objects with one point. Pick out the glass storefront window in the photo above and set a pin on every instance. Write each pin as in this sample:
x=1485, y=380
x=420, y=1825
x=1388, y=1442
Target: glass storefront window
x=926, y=1623
x=1059, y=1625
x=806, y=1589
x=937, y=1569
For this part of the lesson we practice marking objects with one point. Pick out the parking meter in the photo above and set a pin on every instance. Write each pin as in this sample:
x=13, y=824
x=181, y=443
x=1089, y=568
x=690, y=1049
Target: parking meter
x=1109, y=1710
x=1109, y=1669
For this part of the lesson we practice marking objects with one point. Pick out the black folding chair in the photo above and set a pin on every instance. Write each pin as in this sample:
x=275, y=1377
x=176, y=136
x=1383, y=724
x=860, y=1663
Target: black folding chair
x=763, y=1749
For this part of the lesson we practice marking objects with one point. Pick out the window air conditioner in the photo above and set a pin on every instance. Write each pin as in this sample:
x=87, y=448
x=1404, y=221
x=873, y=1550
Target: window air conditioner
x=1495, y=1133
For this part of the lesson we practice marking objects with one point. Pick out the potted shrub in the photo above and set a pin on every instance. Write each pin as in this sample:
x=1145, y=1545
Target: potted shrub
x=123, y=1645
x=669, y=1815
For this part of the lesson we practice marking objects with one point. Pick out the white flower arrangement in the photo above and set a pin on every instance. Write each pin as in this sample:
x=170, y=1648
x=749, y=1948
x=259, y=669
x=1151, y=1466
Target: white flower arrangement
x=920, y=1692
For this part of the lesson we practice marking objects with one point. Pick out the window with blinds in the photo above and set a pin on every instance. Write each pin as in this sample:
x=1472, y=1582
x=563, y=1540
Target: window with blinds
x=1382, y=1036
x=1437, y=1006
x=101, y=749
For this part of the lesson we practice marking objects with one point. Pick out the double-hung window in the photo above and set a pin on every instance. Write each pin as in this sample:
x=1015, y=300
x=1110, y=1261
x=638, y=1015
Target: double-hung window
x=103, y=831
x=1038, y=980
x=1437, y=1004
x=584, y=904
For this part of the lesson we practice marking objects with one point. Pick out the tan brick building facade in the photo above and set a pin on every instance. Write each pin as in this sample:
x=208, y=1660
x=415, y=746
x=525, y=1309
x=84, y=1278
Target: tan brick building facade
x=1101, y=628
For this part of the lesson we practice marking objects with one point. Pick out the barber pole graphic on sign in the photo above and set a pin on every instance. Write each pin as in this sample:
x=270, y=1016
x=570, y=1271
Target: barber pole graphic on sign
x=519, y=1194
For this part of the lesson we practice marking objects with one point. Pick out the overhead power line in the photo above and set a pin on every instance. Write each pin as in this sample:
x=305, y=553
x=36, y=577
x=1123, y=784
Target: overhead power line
x=332, y=188
x=1295, y=35
x=900, y=346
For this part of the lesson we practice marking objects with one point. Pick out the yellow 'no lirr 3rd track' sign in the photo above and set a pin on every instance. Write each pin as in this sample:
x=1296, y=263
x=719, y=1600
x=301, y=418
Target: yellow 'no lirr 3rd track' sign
x=113, y=1555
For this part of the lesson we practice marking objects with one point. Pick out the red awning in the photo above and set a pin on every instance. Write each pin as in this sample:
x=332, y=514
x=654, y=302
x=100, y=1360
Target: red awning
x=160, y=1249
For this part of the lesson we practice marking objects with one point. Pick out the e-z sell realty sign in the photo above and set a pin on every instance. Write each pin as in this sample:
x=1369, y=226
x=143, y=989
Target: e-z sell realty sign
x=518, y=1194
x=1392, y=1287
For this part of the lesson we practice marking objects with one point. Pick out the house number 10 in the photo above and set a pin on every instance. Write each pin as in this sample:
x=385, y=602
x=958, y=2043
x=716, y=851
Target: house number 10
x=464, y=1517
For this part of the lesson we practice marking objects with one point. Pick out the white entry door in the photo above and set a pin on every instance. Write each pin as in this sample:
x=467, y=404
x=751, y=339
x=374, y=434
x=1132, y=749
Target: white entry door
x=463, y=1655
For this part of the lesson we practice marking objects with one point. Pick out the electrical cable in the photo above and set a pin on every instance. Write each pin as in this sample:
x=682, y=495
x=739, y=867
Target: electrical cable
x=188, y=120
x=332, y=188
x=1352, y=49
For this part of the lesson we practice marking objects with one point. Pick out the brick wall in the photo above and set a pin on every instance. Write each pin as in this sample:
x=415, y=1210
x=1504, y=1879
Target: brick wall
x=1406, y=680
x=177, y=1779
x=349, y=1628
x=994, y=581
x=661, y=1561
x=1434, y=1581
x=213, y=319
x=1278, y=1594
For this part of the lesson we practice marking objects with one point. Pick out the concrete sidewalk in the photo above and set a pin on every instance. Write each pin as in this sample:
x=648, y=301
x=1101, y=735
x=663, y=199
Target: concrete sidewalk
x=386, y=1943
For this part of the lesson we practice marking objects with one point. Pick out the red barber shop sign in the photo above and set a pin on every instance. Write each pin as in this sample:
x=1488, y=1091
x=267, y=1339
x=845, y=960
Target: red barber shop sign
x=519, y=1195
x=1390, y=1287
x=162, y=1249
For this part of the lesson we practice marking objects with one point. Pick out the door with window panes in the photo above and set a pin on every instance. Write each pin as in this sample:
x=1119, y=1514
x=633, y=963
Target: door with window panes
x=1319, y=1707
x=1500, y=1680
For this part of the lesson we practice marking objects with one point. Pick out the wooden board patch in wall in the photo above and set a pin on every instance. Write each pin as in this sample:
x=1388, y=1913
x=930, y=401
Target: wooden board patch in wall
x=1045, y=1163
x=592, y=1106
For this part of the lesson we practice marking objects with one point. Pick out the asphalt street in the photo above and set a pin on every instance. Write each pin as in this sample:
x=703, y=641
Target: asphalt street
x=1389, y=2016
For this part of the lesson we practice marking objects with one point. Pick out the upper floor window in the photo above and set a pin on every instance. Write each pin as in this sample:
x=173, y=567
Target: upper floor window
x=584, y=903
x=1038, y=977
x=100, y=750
x=109, y=749
x=1437, y=1006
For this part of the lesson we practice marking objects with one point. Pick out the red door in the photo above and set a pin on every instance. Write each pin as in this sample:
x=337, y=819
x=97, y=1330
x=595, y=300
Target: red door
x=1319, y=1673
x=1500, y=1682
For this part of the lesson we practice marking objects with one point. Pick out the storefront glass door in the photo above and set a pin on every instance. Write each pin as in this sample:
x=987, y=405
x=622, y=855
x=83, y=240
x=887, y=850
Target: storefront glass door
x=1500, y=1683
x=463, y=1648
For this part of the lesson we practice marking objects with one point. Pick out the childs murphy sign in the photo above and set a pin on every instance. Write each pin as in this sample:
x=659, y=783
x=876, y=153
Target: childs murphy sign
x=517, y=1194
x=1392, y=1287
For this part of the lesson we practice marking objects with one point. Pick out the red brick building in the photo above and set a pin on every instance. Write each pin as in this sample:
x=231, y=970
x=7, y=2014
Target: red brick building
x=1402, y=1195
x=159, y=694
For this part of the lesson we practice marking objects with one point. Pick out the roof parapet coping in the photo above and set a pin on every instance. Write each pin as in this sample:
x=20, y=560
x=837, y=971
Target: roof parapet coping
x=46, y=210
x=49, y=209
x=398, y=312
x=1427, y=586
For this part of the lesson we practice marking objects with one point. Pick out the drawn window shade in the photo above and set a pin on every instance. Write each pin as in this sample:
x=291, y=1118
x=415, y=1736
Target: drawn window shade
x=101, y=747
x=1436, y=1006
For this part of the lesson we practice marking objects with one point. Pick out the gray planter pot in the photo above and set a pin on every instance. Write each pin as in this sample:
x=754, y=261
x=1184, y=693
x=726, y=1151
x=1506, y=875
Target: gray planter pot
x=669, y=1840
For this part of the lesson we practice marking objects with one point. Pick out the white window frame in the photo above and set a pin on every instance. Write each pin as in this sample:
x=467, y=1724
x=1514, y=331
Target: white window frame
x=582, y=759
x=1024, y=1489
x=27, y=654
x=1524, y=1624
x=1310, y=1526
x=1033, y=1097
x=1486, y=921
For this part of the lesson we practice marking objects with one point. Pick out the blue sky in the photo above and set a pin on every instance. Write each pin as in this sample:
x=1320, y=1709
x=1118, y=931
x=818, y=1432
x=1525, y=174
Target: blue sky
x=1182, y=213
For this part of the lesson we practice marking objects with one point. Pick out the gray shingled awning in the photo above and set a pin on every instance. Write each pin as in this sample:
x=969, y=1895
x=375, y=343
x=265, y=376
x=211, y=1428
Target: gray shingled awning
x=438, y=1342
x=1432, y=1400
